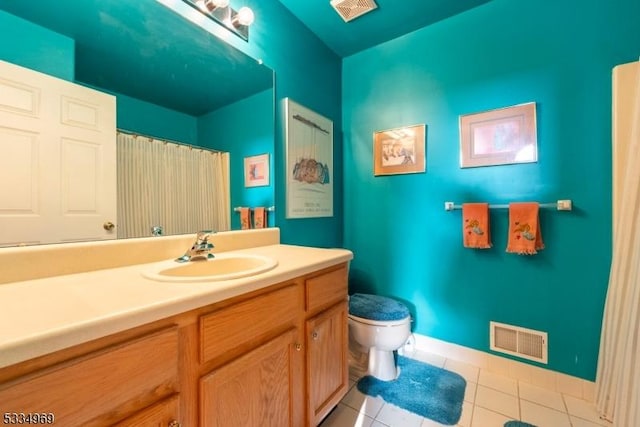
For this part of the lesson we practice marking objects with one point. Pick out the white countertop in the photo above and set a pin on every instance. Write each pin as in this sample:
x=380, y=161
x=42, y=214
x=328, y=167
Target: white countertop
x=45, y=315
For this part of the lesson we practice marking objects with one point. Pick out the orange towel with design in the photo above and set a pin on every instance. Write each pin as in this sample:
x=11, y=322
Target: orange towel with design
x=524, y=229
x=475, y=225
x=259, y=218
x=245, y=218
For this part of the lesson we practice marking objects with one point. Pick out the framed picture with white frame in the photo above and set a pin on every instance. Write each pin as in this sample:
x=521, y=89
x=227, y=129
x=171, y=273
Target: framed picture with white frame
x=309, y=162
x=256, y=171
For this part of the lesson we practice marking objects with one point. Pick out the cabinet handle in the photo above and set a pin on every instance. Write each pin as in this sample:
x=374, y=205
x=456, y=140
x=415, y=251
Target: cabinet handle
x=315, y=335
x=174, y=423
x=298, y=347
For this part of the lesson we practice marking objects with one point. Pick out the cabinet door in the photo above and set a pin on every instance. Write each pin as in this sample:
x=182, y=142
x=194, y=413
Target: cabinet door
x=327, y=369
x=254, y=390
x=163, y=414
x=99, y=388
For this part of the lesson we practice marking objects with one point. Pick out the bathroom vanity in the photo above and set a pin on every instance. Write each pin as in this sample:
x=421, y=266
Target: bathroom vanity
x=265, y=350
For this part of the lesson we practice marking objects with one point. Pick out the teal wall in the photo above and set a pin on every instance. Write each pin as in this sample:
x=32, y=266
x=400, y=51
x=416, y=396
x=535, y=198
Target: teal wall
x=405, y=244
x=32, y=46
x=308, y=72
x=244, y=128
x=152, y=120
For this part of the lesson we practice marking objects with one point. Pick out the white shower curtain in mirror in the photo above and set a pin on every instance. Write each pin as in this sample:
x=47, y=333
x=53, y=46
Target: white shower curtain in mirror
x=618, y=376
x=180, y=188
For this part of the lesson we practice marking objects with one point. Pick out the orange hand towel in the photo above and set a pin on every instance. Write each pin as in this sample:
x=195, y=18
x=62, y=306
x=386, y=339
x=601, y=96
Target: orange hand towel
x=245, y=218
x=524, y=229
x=259, y=218
x=475, y=225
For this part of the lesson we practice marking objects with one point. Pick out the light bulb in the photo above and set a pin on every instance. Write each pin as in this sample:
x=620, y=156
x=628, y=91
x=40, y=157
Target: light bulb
x=245, y=16
x=211, y=5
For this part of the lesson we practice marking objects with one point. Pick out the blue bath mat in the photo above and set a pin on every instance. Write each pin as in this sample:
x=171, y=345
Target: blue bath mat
x=517, y=424
x=421, y=388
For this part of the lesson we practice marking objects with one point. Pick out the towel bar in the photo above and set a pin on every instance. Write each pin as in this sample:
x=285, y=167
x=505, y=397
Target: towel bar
x=269, y=209
x=561, y=205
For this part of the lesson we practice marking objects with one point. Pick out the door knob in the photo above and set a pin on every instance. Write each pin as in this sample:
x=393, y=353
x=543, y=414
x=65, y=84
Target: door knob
x=108, y=226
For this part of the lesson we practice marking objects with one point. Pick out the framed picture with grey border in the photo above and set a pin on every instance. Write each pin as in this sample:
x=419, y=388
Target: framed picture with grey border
x=499, y=137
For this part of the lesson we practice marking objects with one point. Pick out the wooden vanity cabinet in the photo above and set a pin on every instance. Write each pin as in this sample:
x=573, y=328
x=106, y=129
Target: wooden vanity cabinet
x=326, y=338
x=103, y=386
x=286, y=353
x=252, y=348
x=273, y=357
x=254, y=390
x=165, y=413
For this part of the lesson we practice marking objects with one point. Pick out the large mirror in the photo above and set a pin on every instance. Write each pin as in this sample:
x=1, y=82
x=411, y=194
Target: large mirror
x=170, y=76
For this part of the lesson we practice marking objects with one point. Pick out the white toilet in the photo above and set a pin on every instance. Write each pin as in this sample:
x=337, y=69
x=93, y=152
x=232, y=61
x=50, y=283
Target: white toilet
x=381, y=326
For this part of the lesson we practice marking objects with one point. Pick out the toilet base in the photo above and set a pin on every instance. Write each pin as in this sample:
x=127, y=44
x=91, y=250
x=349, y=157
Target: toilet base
x=382, y=365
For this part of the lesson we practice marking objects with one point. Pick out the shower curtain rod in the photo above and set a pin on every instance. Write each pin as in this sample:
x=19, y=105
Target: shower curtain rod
x=169, y=141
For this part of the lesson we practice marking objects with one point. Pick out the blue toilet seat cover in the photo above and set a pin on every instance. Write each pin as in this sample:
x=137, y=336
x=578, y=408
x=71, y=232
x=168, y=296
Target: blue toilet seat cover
x=375, y=307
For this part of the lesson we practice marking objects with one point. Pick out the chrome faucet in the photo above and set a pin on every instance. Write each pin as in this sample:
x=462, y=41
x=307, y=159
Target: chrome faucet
x=201, y=249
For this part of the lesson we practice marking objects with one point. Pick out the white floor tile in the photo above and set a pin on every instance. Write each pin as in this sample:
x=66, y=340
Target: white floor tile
x=430, y=423
x=394, y=416
x=542, y=416
x=579, y=422
x=582, y=409
x=363, y=403
x=498, y=382
x=485, y=418
x=430, y=358
x=468, y=372
x=542, y=396
x=497, y=401
x=465, y=418
x=470, y=392
x=567, y=384
x=491, y=399
x=344, y=416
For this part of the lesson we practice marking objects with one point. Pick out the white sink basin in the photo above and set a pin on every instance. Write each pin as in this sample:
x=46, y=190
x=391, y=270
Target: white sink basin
x=222, y=267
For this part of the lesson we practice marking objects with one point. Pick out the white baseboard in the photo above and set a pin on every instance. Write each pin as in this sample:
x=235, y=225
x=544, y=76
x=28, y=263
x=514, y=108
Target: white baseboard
x=546, y=378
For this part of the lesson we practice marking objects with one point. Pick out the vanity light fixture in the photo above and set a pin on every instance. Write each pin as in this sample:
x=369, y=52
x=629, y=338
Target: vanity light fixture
x=219, y=11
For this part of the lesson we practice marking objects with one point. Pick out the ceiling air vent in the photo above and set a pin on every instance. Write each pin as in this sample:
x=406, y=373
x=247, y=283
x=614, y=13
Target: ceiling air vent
x=517, y=341
x=351, y=9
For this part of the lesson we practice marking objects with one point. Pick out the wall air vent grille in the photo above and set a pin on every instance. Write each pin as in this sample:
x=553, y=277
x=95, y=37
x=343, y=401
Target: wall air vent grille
x=351, y=9
x=520, y=342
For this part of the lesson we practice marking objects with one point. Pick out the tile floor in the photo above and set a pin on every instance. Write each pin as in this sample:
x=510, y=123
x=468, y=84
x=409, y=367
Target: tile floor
x=490, y=401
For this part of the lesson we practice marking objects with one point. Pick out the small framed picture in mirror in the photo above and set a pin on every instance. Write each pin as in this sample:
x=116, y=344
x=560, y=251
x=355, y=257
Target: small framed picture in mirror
x=256, y=171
